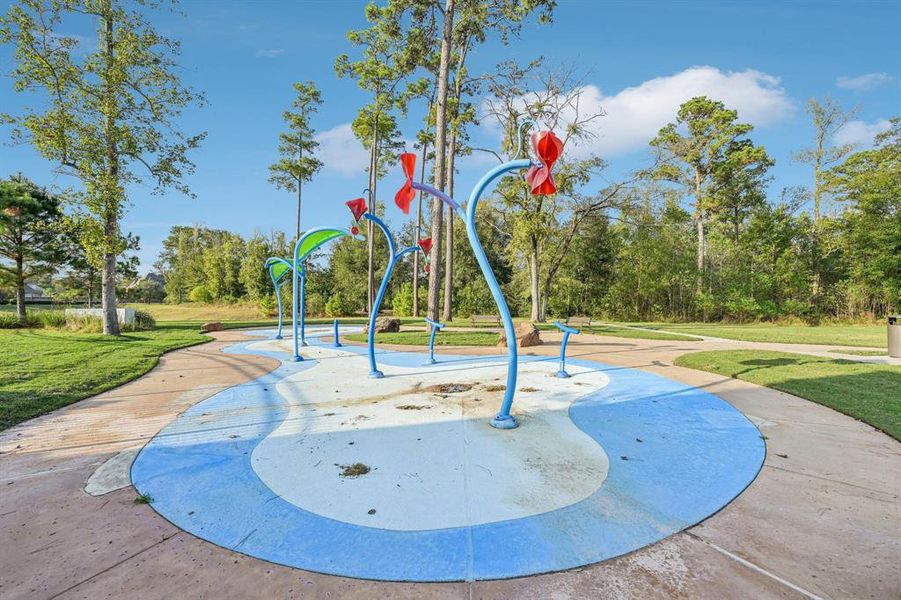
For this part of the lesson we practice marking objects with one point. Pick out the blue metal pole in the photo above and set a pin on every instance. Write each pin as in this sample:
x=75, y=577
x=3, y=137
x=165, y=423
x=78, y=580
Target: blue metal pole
x=503, y=419
x=303, y=288
x=337, y=343
x=278, y=298
x=295, y=293
x=370, y=341
x=562, y=372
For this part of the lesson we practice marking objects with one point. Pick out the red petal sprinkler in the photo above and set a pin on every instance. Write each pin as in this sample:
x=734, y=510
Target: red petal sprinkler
x=357, y=207
x=405, y=195
x=548, y=148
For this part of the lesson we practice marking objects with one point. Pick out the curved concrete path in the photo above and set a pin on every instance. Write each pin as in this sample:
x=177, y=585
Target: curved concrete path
x=822, y=520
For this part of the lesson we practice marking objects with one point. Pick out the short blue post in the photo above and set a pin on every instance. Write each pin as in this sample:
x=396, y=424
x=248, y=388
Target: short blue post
x=337, y=342
x=566, y=333
x=435, y=328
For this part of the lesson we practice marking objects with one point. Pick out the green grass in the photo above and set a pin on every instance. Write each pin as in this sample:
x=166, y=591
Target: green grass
x=623, y=332
x=868, y=392
x=861, y=352
x=421, y=338
x=42, y=370
x=847, y=335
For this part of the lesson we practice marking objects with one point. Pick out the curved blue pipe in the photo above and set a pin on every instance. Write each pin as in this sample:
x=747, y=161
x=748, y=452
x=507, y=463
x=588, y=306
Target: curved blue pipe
x=567, y=330
x=393, y=257
x=423, y=187
x=436, y=326
x=277, y=283
x=503, y=419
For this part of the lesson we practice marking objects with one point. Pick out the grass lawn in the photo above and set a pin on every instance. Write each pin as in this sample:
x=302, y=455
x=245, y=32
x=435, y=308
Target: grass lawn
x=622, y=332
x=421, y=338
x=862, y=352
x=43, y=369
x=870, y=393
x=847, y=335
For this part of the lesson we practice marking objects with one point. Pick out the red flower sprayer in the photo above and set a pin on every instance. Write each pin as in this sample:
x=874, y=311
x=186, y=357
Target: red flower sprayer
x=548, y=147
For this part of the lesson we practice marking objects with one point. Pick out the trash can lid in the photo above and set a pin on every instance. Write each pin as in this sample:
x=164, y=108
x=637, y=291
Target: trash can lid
x=894, y=319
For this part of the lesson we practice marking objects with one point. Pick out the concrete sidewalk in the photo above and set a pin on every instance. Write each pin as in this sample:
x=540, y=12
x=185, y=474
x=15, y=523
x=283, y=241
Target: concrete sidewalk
x=823, y=518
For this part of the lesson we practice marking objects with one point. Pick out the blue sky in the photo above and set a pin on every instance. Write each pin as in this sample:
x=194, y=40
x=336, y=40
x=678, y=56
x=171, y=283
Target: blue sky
x=642, y=58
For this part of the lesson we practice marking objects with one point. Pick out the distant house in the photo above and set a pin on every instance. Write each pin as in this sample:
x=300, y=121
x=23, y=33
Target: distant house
x=147, y=288
x=35, y=293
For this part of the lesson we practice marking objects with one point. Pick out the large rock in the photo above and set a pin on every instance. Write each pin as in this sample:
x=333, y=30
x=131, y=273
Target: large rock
x=526, y=333
x=385, y=325
x=212, y=326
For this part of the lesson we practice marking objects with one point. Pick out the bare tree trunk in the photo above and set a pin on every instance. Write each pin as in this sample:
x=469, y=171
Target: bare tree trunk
x=110, y=189
x=699, y=224
x=370, y=228
x=449, y=235
x=425, y=153
x=299, y=187
x=440, y=154
x=108, y=290
x=534, y=285
x=20, y=291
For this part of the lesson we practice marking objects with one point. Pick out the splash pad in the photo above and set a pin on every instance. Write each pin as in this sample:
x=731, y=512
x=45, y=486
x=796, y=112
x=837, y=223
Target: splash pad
x=317, y=467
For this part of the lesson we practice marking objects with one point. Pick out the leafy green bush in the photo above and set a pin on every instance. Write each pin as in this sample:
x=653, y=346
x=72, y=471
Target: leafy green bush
x=338, y=306
x=33, y=319
x=268, y=305
x=402, y=303
x=315, y=305
x=8, y=320
x=51, y=318
x=84, y=323
x=144, y=321
x=475, y=299
x=200, y=294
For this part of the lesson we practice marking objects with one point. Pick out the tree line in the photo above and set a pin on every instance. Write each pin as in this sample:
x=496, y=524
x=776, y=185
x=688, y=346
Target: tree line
x=696, y=234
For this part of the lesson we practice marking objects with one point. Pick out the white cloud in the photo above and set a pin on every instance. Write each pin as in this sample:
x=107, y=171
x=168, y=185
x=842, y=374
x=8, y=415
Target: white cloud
x=634, y=115
x=269, y=52
x=341, y=151
x=861, y=133
x=865, y=82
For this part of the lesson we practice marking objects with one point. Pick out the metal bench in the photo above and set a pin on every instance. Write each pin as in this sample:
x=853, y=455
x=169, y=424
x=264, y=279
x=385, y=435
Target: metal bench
x=578, y=321
x=496, y=320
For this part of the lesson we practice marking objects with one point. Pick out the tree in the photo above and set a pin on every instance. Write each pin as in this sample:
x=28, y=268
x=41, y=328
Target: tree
x=297, y=163
x=110, y=112
x=30, y=233
x=554, y=103
x=870, y=182
x=386, y=62
x=82, y=279
x=477, y=19
x=828, y=118
x=714, y=153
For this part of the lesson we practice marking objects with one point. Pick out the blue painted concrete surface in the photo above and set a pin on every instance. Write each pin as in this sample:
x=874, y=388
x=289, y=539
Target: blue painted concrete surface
x=677, y=455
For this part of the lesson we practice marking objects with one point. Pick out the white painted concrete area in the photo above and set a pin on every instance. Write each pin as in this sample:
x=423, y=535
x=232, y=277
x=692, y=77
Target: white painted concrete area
x=434, y=461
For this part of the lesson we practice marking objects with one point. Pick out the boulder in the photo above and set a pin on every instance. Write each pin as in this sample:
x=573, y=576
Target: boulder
x=385, y=325
x=526, y=333
x=212, y=326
